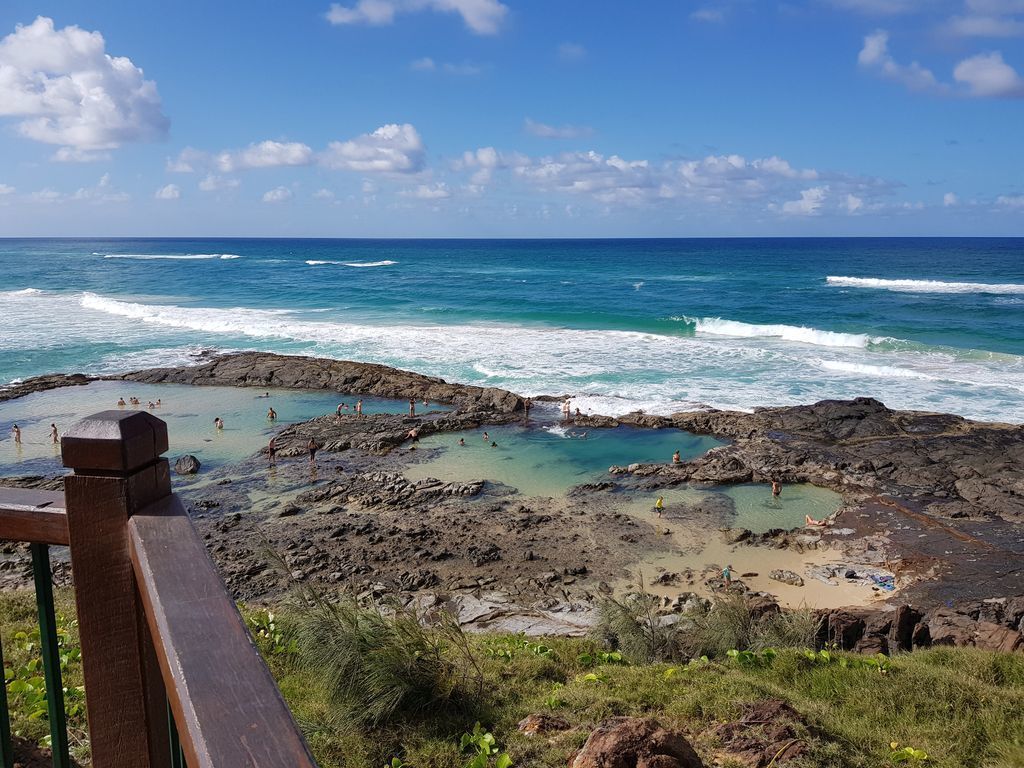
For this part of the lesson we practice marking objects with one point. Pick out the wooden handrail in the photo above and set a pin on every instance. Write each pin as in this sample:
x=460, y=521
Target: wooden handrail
x=33, y=516
x=226, y=704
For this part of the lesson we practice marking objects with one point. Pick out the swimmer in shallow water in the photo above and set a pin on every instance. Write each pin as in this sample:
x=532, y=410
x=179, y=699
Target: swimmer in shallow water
x=462, y=441
x=272, y=414
x=54, y=436
x=676, y=459
x=776, y=488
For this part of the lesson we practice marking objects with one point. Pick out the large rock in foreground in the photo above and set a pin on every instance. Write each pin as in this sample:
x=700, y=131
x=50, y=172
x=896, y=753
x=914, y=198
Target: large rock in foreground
x=265, y=369
x=187, y=465
x=629, y=742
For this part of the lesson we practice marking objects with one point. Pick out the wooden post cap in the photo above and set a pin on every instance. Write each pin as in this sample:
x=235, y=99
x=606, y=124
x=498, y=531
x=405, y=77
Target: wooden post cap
x=114, y=441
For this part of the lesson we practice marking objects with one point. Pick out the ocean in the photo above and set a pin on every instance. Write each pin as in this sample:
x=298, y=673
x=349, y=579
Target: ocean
x=660, y=325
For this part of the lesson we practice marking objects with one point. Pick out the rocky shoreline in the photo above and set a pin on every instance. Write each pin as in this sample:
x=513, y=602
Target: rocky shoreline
x=937, y=499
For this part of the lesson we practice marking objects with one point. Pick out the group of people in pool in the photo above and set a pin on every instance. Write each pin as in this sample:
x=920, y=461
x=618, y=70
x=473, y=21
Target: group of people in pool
x=121, y=403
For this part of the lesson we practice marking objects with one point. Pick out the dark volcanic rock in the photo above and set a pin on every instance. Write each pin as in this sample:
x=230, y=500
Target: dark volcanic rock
x=42, y=383
x=187, y=465
x=264, y=369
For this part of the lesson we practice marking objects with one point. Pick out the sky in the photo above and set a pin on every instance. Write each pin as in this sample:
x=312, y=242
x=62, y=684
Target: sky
x=512, y=118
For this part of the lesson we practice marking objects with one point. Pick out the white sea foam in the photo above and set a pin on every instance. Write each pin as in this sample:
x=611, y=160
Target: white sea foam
x=169, y=256
x=608, y=371
x=720, y=327
x=924, y=286
x=320, y=262
x=22, y=292
x=883, y=371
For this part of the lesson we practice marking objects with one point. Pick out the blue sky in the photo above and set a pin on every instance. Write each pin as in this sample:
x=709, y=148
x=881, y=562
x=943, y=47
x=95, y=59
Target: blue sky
x=486, y=118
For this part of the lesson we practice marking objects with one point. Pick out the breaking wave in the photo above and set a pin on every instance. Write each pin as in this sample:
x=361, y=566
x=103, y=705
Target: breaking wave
x=717, y=326
x=924, y=286
x=169, y=256
x=318, y=262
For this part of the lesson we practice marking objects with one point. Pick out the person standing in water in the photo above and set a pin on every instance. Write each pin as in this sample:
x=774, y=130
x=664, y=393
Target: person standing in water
x=121, y=403
x=272, y=414
x=412, y=407
x=676, y=458
x=659, y=505
x=272, y=450
x=218, y=423
x=776, y=488
x=16, y=431
x=54, y=436
x=312, y=447
x=359, y=407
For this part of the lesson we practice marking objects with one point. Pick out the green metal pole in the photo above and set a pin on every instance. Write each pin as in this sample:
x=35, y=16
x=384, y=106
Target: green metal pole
x=6, y=751
x=51, y=655
x=177, y=756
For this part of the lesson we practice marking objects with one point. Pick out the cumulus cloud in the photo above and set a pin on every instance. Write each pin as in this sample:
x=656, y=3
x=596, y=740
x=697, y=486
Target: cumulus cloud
x=854, y=203
x=265, y=154
x=809, y=204
x=1010, y=201
x=987, y=75
x=277, y=195
x=571, y=52
x=6, y=189
x=484, y=17
x=389, y=149
x=988, y=18
x=323, y=194
x=102, y=192
x=169, y=192
x=875, y=56
x=67, y=90
x=950, y=199
x=545, y=131
x=214, y=183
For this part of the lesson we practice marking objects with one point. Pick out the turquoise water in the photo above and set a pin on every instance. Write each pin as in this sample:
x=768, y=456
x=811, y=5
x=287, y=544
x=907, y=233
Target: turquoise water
x=188, y=411
x=755, y=507
x=661, y=325
x=548, y=461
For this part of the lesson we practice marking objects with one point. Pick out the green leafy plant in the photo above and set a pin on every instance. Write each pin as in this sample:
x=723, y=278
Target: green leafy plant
x=269, y=636
x=601, y=657
x=907, y=754
x=507, y=648
x=553, y=700
x=484, y=748
x=762, y=658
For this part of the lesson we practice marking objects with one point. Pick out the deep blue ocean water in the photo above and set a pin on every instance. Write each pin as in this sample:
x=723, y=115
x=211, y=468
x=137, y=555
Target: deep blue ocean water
x=933, y=324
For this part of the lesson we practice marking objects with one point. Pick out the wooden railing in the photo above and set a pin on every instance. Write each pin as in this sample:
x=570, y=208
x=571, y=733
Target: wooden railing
x=172, y=677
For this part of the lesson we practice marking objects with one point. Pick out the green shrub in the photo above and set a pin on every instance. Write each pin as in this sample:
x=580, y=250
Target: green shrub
x=630, y=625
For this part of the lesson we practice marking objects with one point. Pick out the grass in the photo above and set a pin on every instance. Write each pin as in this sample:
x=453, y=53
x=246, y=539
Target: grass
x=963, y=707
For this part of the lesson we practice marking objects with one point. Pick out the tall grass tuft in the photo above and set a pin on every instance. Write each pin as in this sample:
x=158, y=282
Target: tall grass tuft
x=377, y=667
x=787, y=628
x=630, y=626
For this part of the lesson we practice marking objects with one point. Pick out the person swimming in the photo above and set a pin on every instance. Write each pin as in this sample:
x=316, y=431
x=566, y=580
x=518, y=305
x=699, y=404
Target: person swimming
x=272, y=414
x=493, y=444
x=462, y=441
x=121, y=403
x=676, y=458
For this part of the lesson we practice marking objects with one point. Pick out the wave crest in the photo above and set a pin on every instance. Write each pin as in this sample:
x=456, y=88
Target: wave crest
x=318, y=262
x=717, y=326
x=169, y=256
x=923, y=286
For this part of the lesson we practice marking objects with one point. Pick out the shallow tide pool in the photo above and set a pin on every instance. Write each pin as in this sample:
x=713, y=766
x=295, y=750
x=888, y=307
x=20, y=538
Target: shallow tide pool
x=547, y=461
x=189, y=412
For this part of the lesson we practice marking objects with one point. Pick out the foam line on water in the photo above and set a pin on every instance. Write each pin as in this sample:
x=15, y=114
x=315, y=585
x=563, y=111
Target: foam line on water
x=923, y=286
x=718, y=326
x=170, y=256
x=321, y=262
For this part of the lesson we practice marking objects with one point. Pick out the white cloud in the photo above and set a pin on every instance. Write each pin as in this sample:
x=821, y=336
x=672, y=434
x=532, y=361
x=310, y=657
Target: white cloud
x=854, y=203
x=6, y=189
x=169, y=192
x=984, y=26
x=875, y=56
x=484, y=17
x=714, y=15
x=427, y=64
x=67, y=90
x=46, y=195
x=277, y=195
x=103, y=192
x=950, y=199
x=75, y=155
x=438, y=191
x=571, y=52
x=1010, y=201
x=546, y=131
x=215, y=183
x=987, y=75
x=265, y=154
x=809, y=204
x=323, y=194
x=189, y=160
x=389, y=149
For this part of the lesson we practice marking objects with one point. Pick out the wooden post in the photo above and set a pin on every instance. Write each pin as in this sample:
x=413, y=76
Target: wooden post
x=118, y=470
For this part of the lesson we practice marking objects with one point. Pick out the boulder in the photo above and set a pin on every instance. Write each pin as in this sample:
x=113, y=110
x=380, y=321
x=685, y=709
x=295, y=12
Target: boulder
x=630, y=742
x=187, y=465
x=787, y=577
